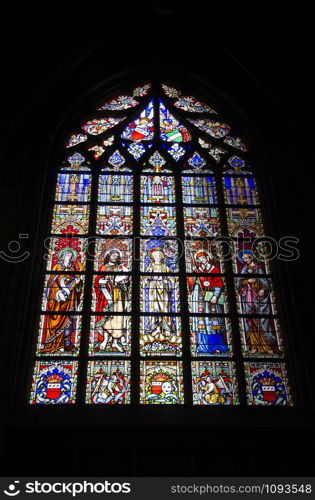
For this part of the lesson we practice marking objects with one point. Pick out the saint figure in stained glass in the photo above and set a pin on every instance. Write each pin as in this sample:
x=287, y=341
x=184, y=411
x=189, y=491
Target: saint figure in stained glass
x=158, y=291
x=207, y=296
x=112, y=293
x=254, y=292
x=159, y=255
x=62, y=295
x=157, y=258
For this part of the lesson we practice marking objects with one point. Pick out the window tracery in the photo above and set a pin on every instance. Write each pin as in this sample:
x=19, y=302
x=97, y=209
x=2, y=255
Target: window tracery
x=134, y=268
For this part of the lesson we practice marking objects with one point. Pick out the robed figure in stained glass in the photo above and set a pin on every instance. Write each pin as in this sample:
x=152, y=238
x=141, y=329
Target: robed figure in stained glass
x=63, y=295
x=254, y=295
x=207, y=297
x=112, y=295
x=159, y=290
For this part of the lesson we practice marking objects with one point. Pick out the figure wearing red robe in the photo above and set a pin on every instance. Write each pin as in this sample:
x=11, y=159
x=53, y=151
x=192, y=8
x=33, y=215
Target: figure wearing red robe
x=111, y=293
x=207, y=297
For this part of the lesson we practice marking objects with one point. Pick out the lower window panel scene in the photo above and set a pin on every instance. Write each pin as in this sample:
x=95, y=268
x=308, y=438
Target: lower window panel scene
x=161, y=383
x=176, y=330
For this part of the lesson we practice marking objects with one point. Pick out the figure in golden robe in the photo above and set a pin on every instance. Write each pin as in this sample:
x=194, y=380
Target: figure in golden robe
x=63, y=294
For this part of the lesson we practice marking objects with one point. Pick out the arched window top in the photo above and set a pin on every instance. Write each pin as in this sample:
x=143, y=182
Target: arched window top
x=162, y=117
x=140, y=299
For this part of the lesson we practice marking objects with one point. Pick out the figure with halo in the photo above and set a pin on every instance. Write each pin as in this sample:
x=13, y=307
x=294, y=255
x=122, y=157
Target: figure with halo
x=112, y=296
x=63, y=293
x=254, y=295
x=207, y=297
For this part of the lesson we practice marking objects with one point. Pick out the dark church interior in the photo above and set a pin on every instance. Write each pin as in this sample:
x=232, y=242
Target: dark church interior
x=55, y=58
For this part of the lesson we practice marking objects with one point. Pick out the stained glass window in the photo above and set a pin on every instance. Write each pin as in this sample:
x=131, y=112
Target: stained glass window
x=140, y=304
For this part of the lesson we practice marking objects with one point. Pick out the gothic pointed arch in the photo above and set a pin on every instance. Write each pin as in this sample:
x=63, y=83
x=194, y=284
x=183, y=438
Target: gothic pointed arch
x=140, y=304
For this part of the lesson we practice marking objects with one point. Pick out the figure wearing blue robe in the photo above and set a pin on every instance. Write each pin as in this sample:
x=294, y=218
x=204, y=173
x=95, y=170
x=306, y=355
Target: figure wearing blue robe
x=207, y=297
